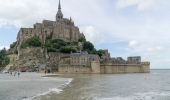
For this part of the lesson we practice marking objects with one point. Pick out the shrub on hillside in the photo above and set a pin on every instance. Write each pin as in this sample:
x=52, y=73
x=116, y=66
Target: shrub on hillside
x=32, y=42
x=88, y=46
x=13, y=45
x=68, y=49
x=4, y=59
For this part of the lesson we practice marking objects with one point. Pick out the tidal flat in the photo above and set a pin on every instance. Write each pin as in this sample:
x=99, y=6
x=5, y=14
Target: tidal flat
x=32, y=86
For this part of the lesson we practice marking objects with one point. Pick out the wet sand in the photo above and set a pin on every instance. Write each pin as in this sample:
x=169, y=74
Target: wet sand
x=153, y=86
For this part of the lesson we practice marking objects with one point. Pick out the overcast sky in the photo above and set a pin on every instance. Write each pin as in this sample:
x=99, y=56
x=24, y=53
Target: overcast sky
x=125, y=27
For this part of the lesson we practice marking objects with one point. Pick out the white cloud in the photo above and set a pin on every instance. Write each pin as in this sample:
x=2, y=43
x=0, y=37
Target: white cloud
x=141, y=5
x=92, y=34
x=25, y=12
x=133, y=44
x=154, y=49
x=166, y=61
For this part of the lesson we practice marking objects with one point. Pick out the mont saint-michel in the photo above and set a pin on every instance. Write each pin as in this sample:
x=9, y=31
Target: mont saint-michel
x=106, y=50
x=59, y=46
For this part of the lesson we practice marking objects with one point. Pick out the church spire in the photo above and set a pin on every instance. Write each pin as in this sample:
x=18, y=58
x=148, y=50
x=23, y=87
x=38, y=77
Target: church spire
x=59, y=13
x=59, y=5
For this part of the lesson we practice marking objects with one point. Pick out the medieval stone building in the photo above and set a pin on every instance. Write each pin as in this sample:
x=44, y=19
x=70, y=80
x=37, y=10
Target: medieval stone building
x=80, y=62
x=61, y=28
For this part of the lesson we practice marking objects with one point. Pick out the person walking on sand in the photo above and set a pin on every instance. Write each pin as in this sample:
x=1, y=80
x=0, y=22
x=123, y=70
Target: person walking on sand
x=45, y=72
x=18, y=73
x=11, y=73
x=15, y=73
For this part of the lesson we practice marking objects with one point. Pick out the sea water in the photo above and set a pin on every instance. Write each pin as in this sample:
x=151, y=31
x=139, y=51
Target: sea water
x=140, y=86
x=29, y=86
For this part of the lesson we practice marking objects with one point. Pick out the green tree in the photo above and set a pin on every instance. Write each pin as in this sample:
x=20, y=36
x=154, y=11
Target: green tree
x=54, y=45
x=59, y=42
x=13, y=45
x=82, y=39
x=68, y=49
x=32, y=42
x=51, y=49
x=88, y=46
x=100, y=52
x=4, y=60
x=58, y=45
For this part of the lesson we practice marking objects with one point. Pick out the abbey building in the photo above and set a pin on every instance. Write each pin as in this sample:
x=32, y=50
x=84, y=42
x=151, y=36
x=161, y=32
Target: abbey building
x=61, y=28
x=77, y=61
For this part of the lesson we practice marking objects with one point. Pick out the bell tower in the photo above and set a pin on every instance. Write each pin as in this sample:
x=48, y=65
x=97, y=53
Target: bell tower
x=59, y=13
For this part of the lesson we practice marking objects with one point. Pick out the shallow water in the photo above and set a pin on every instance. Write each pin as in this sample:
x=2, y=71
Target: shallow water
x=29, y=86
x=152, y=86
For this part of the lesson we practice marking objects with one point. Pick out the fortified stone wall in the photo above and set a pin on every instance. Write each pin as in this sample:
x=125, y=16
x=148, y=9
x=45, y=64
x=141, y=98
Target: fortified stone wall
x=70, y=69
x=113, y=69
x=146, y=67
x=95, y=67
x=110, y=68
x=134, y=69
x=24, y=34
x=79, y=63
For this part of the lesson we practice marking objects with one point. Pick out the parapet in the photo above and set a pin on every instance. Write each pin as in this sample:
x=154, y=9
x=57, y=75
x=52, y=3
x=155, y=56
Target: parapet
x=48, y=23
x=37, y=26
x=134, y=60
x=145, y=63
